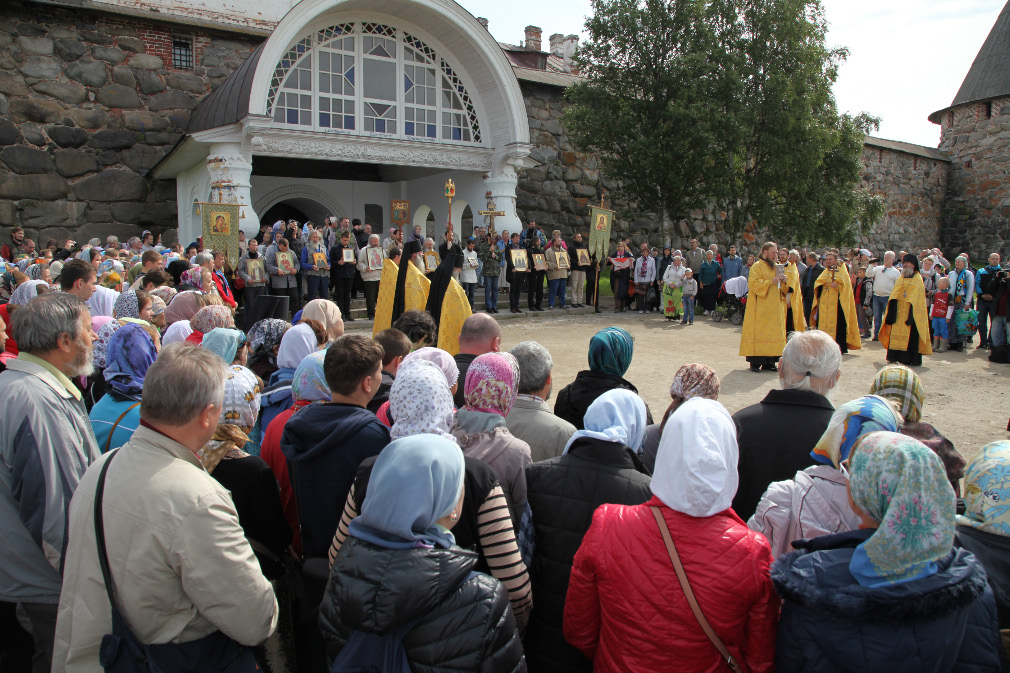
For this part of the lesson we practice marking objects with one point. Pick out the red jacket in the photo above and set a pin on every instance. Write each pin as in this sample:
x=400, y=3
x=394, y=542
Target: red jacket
x=626, y=611
x=223, y=289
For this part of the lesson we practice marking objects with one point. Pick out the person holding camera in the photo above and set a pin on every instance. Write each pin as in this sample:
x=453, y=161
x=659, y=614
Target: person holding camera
x=985, y=284
x=999, y=288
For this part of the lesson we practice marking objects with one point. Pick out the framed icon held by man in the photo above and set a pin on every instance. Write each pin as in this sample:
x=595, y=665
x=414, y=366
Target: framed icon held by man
x=286, y=262
x=257, y=271
x=563, y=261
x=519, y=260
x=374, y=256
x=430, y=261
x=539, y=262
x=348, y=255
x=319, y=259
x=583, y=256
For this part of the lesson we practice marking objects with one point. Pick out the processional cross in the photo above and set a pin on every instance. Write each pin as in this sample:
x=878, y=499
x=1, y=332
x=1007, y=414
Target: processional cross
x=491, y=213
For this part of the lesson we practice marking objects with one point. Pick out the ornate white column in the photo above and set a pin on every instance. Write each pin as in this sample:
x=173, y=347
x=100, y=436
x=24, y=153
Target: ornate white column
x=230, y=168
x=501, y=184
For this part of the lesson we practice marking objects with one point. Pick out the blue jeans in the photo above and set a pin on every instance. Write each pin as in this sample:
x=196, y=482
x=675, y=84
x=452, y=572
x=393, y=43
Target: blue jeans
x=985, y=310
x=318, y=287
x=688, y=304
x=468, y=288
x=997, y=335
x=940, y=328
x=491, y=292
x=557, y=287
x=879, y=306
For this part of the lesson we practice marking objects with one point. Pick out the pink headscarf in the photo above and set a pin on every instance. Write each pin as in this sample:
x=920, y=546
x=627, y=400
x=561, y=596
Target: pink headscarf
x=492, y=382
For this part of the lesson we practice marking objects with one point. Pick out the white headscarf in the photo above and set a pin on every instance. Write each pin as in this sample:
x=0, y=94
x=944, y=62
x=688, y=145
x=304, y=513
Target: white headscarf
x=696, y=466
x=102, y=301
x=419, y=402
x=618, y=416
x=296, y=344
x=177, y=331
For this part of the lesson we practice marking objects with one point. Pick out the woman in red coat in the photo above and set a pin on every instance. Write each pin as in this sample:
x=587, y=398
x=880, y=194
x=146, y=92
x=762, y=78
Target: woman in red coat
x=625, y=607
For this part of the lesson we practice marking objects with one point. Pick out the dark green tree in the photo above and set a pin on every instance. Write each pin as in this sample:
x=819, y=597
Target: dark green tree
x=725, y=104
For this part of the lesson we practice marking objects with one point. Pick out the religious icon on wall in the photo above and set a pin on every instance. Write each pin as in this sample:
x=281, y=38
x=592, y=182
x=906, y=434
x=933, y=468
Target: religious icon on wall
x=563, y=261
x=401, y=212
x=348, y=255
x=319, y=259
x=374, y=259
x=519, y=259
x=583, y=256
x=430, y=261
x=286, y=262
x=539, y=262
x=256, y=270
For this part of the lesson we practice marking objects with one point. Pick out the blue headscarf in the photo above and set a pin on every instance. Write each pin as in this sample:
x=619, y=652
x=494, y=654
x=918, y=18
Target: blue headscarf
x=223, y=341
x=415, y=482
x=610, y=351
x=129, y=355
x=852, y=420
x=615, y=416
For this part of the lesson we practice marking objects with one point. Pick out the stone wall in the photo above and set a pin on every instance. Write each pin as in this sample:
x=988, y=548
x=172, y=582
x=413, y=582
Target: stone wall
x=977, y=210
x=913, y=187
x=88, y=104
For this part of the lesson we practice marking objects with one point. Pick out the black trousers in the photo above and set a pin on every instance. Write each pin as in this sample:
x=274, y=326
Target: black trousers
x=294, y=295
x=342, y=295
x=535, y=292
x=515, y=290
x=251, y=294
x=371, y=294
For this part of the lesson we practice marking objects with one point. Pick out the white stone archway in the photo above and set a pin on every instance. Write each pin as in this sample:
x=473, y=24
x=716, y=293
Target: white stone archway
x=421, y=220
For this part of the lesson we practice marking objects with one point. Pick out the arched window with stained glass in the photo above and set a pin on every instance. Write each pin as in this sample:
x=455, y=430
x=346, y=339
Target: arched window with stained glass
x=367, y=78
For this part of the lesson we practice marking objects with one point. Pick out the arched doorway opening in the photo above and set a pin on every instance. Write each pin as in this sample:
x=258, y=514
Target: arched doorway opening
x=465, y=224
x=284, y=211
x=421, y=219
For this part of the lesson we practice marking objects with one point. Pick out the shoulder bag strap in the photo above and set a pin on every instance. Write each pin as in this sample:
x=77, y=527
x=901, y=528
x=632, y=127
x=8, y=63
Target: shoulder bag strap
x=671, y=548
x=103, y=556
x=108, y=442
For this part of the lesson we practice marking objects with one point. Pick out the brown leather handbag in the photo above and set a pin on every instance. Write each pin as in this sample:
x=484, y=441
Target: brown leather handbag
x=734, y=661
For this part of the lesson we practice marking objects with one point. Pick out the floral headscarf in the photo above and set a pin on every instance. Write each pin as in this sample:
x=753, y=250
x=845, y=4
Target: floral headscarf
x=157, y=306
x=987, y=490
x=241, y=398
x=610, y=351
x=23, y=263
x=209, y=317
x=27, y=291
x=692, y=380
x=438, y=357
x=902, y=386
x=101, y=344
x=7, y=283
x=111, y=265
x=35, y=271
x=193, y=276
x=850, y=421
x=419, y=403
x=166, y=292
x=183, y=307
x=263, y=336
x=309, y=383
x=899, y=482
x=127, y=305
x=129, y=354
x=492, y=382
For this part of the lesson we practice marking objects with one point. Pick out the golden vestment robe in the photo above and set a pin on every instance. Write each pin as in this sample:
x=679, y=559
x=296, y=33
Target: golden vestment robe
x=764, y=321
x=455, y=311
x=828, y=300
x=414, y=299
x=907, y=297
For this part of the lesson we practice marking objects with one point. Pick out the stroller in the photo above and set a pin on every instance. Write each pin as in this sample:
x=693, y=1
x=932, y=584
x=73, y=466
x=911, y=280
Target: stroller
x=732, y=300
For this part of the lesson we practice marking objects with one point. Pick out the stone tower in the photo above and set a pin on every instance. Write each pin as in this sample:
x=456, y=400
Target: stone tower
x=975, y=134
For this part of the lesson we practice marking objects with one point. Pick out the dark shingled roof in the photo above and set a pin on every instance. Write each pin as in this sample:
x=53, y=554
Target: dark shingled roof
x=229, y=102
x=989, y=76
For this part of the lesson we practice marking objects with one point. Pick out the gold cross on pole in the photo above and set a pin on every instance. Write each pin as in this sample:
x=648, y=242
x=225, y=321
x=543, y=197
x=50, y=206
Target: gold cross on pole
x=603, y=196
x=491, y=213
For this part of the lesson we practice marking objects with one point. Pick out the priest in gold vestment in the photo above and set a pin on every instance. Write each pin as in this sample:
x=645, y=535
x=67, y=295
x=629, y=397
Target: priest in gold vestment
x=834, y=307
x=409, y=293
x=905, y=332
x=763, y=336
x=448, y=304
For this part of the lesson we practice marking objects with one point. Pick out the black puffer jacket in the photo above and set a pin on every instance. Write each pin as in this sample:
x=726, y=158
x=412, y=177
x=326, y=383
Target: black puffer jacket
x=575, y=398
x=465, y=623
x=942, y=623
x=563, y=493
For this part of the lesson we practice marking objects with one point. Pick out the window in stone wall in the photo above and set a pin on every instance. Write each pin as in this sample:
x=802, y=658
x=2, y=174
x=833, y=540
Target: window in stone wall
x=182, y=53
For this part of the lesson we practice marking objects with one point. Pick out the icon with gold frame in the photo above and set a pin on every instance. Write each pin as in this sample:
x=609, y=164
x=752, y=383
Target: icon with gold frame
x=563, y=261
x=583, y=256
x=430, y=261
x=519, y=260
x=539, y=262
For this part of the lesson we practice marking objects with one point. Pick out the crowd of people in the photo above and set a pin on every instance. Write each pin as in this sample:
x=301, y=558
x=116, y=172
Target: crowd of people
x=293, y=498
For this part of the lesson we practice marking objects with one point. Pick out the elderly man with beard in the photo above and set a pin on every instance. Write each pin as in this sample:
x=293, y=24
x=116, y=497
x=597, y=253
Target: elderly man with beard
x=905, y=332
x=47, y=444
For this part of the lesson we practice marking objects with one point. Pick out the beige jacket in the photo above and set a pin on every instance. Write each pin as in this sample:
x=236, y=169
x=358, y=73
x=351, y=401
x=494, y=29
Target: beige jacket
x=178, y=557
x=532, y=421
x=554, y=272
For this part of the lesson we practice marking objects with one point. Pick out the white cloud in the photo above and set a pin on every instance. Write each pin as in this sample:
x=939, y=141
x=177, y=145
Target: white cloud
x=907, y=58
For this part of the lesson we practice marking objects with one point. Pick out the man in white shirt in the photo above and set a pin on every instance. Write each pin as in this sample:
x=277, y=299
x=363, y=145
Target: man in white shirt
x=884, y=278
x=468, y=274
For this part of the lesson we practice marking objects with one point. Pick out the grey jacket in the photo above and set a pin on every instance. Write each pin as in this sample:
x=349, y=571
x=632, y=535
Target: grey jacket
x=484, y=436
x=47, y=443
x=532, y=421
x=243, y=270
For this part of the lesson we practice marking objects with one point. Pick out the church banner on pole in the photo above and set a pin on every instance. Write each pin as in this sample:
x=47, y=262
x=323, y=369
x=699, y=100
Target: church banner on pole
x=600, y=223
x=220, y=229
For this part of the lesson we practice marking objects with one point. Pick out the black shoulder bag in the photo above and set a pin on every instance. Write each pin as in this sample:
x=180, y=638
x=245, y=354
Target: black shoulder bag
x=122, y=652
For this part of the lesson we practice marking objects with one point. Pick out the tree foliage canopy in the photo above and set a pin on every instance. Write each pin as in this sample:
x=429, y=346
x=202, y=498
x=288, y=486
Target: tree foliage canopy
x=724, y=103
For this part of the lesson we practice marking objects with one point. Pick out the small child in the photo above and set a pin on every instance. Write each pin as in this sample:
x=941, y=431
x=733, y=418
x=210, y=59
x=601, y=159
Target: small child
x=690, y=287
x=940, y=313
x=863, y=291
